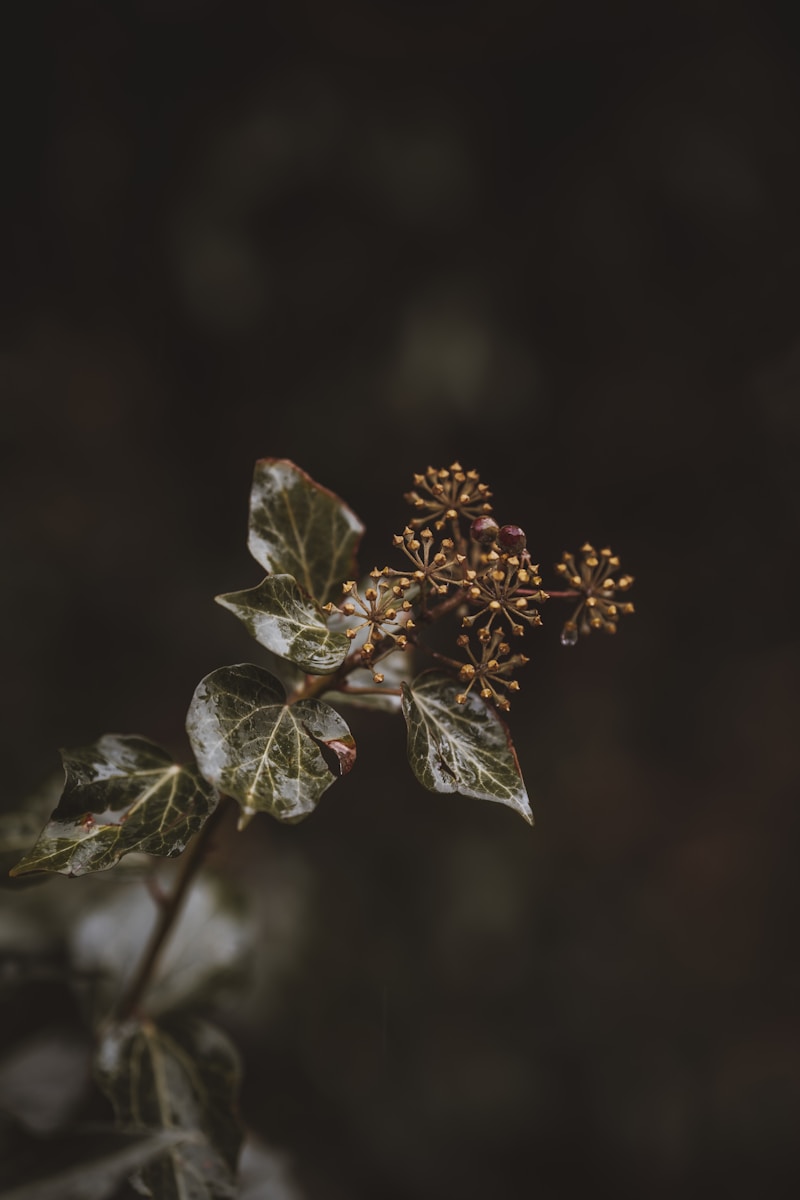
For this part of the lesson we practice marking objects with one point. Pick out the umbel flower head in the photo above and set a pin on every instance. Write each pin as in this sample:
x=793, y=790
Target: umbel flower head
x=433, y=566
x=592, y=578
x=447, y=493
x=383, y=611
x=491, y=671
x=502, y=585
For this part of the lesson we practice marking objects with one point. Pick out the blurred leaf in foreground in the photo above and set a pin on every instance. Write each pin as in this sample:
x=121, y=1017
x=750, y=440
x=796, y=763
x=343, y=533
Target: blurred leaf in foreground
x=182, y=1074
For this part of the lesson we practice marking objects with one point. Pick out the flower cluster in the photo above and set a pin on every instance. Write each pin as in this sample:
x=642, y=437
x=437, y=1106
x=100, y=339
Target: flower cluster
x=447, y=493
x=504, y=586
x=492, y=670
x=385, y=615
x=501, y=584
x=461, y=561
x=592, y=578
x=434, y=568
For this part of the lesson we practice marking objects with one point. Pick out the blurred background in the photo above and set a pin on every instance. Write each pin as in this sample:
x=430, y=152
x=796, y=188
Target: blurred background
x=560, y=244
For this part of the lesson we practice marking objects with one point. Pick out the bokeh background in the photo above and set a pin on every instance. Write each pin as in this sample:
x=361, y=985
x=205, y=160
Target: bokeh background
x=558, y=243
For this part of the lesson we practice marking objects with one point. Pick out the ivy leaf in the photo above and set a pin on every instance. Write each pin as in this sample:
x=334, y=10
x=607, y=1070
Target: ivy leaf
x=301, y=529
x=272, y=756
x=121, y=794
x=462, y=748
x=181, y=1074
x=285, y=620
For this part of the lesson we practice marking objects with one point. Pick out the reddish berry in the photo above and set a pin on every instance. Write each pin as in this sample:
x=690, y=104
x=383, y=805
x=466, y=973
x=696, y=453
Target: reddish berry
x=512, y=538
x=484, y=530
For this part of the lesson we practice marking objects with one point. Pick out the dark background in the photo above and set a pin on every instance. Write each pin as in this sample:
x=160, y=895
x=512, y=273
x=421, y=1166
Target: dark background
x=559, y=243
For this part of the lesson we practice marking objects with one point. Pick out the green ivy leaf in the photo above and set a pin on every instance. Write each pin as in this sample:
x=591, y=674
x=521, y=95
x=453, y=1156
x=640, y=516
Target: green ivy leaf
x=462, y=748
x=301, y=529
x=272, y=756
x=285, y=620
x=121, y=794
x=180, y=1074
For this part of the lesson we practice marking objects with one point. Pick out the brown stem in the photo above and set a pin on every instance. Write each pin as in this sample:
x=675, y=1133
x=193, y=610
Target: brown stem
x=446, y=606
x=170, y=908
x=369, y=691
x=442, y=658
x=317, y=684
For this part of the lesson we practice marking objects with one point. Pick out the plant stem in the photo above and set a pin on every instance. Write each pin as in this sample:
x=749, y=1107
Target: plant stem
x=170, y=908
x=369, y=691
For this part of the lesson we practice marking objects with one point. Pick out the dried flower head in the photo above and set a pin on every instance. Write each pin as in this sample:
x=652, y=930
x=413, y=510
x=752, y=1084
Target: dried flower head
x=593, y=581
x=447, y=493
x=435, y=567
x=490, y=671
x=505, y=586
x=384, y=610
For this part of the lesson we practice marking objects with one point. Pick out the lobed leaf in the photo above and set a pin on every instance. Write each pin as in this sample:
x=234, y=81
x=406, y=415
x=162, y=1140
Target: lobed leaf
x=272, y=756
x=182, y=1074
x=462, y=748
x=286, y=621
x=300, y=529
x=122, y=793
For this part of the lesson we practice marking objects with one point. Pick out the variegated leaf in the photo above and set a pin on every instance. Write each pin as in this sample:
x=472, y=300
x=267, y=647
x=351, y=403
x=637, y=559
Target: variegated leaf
x=301, y=529
x=462, y=748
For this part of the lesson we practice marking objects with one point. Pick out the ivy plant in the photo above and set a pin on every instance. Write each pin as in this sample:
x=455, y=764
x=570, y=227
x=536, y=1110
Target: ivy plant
x=270, y=737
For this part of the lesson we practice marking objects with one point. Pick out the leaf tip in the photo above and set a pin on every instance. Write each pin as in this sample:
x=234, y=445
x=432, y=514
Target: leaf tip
x=245, y=817
x=23, y=867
